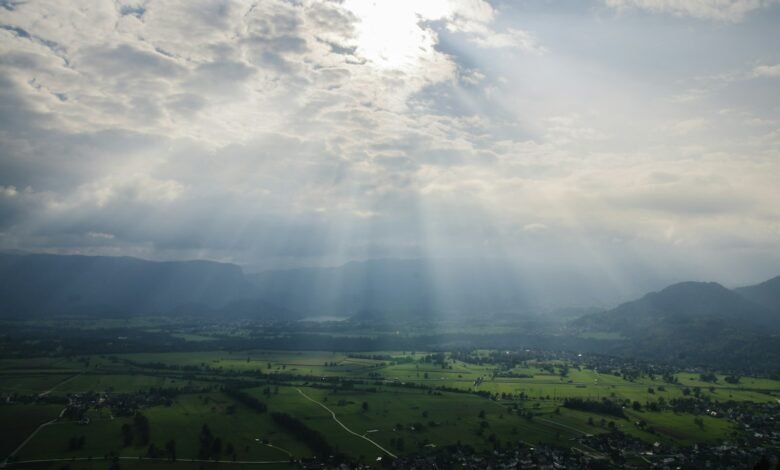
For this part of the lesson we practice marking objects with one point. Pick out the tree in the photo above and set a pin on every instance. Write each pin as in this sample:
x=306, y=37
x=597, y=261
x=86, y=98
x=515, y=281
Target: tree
x=399, y=444
x=76, y=443
x=708, y=377
x=310, y=437
x=141, y=429
x=206, y=440
x=216, y=448
x=152, y=451
x=127, y=435
x=230, y=450
x=170, y=448
x=246, y=399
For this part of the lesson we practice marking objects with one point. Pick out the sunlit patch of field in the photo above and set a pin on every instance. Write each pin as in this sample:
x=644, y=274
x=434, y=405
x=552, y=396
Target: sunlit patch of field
x=119, y=383
x=181, y=422
x=396, y=415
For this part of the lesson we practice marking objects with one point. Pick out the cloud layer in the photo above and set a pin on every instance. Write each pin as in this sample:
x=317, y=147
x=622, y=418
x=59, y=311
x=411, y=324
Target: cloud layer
x=282, y=133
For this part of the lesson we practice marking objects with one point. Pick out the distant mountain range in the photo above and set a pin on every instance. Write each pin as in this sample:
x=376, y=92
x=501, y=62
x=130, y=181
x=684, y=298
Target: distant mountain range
x=40, y=285
x=766, y=294
x=393, y=290
x=699, y=322
x=386, y=289
x=693, y=322
x=702, y=305
x=415, y=289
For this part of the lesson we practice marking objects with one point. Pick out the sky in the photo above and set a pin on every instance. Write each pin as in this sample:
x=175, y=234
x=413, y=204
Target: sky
x=603, y=137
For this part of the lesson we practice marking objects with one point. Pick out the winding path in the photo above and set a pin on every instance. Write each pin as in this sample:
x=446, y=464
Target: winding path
x=5, y=462
x=346, y=428
x=564, y=426
x=43, y=394
x=29, y=438
x=279, y=449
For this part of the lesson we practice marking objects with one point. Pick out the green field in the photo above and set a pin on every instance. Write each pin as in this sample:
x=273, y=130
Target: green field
x=400, y=400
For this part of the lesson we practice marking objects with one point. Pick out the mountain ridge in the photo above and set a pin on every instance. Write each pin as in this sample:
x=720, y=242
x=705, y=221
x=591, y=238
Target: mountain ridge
x=397, y=289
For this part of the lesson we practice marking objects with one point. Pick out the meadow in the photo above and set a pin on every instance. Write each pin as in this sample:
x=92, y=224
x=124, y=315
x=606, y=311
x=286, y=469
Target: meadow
x=386, y=403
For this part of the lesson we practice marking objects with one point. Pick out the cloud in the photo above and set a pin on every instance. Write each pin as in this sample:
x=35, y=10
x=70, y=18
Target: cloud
x=100, y=235
x=686, y=126
x=534, y=227
x=9, y=191
x=511, y=38
x=127, y=61
x=722, y=10
x=476, y=18
x=283, y=133
x=766, y=71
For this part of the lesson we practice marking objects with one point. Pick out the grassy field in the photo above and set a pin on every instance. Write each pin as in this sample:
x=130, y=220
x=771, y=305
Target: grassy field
x=31, y=383
x=383, y=406
x=181, y=422
x=19, y=421
x=118, y=383
x=136, y=464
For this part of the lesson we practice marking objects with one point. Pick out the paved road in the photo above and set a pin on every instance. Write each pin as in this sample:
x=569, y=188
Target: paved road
x=346, y=428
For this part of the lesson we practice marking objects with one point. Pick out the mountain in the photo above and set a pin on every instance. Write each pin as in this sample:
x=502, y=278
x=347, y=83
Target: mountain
x=414, y=289
x=255, y=309
x=702, y=322
x=39, y=285
x=422, y=289
x=766, y=294
x=374, y=290
x=397, y=288
x=703, y=305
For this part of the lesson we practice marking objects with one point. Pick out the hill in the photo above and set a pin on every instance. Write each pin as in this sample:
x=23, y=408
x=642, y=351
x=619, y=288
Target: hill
x=700, y=305
x=702, y=322
x=422, y=289
x=388, y=290
x=766, y=294
x=41, y=285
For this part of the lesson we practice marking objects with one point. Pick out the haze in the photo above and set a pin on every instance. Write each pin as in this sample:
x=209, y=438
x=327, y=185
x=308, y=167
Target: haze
x=600, y=138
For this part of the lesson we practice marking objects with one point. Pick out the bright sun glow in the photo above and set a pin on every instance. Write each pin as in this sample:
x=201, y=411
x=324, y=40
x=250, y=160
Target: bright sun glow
x=389, y=33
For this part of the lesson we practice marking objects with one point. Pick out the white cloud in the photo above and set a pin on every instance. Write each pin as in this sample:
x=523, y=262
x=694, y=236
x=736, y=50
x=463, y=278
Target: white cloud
x=476, y=18
x=511, y=38
x=686, y=126
x=309, y=130
x=9, y=191
x=724, y=10
x=534, y=227
x=767, y=71
x=100, y=235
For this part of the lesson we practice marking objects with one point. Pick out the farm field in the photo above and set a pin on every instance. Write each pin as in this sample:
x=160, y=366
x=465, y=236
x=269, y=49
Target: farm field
x=386, y=404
